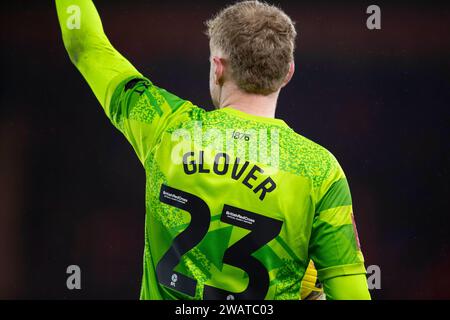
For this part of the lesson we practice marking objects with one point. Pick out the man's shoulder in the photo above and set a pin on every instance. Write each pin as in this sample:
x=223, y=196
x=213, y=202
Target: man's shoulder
x=298, y=155
x=302, y=156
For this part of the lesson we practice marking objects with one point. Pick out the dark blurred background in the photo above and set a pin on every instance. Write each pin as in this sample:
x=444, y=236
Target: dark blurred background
x=72, y=190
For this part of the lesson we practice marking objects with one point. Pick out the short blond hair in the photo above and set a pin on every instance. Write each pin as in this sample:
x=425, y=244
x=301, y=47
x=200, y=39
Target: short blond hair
x=259, y=41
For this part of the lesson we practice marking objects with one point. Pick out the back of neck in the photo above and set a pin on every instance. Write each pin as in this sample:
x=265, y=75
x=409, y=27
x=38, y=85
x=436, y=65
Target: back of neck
x=255, y=104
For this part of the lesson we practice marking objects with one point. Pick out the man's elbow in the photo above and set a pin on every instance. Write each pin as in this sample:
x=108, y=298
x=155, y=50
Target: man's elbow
x=75, y=49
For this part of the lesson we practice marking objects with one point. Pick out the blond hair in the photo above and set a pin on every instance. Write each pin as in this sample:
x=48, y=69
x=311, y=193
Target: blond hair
x=259, y=41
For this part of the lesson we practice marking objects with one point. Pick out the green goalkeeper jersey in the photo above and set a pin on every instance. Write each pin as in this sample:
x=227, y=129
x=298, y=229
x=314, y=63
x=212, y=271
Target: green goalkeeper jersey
x=237, y=205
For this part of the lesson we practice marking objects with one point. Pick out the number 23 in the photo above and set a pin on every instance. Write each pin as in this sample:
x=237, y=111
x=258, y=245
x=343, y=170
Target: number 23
x=263, y=230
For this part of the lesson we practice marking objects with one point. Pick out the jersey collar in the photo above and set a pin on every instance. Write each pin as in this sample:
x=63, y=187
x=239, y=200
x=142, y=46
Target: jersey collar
x=241, y=114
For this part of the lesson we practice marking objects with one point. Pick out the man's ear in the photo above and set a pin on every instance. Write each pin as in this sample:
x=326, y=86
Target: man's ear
x=219, y=70
x=290, y=74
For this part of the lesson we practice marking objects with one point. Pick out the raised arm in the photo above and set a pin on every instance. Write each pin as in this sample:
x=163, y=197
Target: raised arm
x=135, y=106
x=89, y=49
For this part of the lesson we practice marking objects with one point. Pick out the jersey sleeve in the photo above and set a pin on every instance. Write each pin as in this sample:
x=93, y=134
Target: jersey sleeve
x=143, y=111
x=349, y=287
x=89, y=48
x=334, y=244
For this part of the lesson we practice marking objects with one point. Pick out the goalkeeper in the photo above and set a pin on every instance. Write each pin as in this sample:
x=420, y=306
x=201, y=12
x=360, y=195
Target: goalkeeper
x=221, y=225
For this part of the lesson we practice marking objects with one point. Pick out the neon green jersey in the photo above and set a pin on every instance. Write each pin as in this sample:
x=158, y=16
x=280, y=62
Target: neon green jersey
x=237, y=205
x=225, y=220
